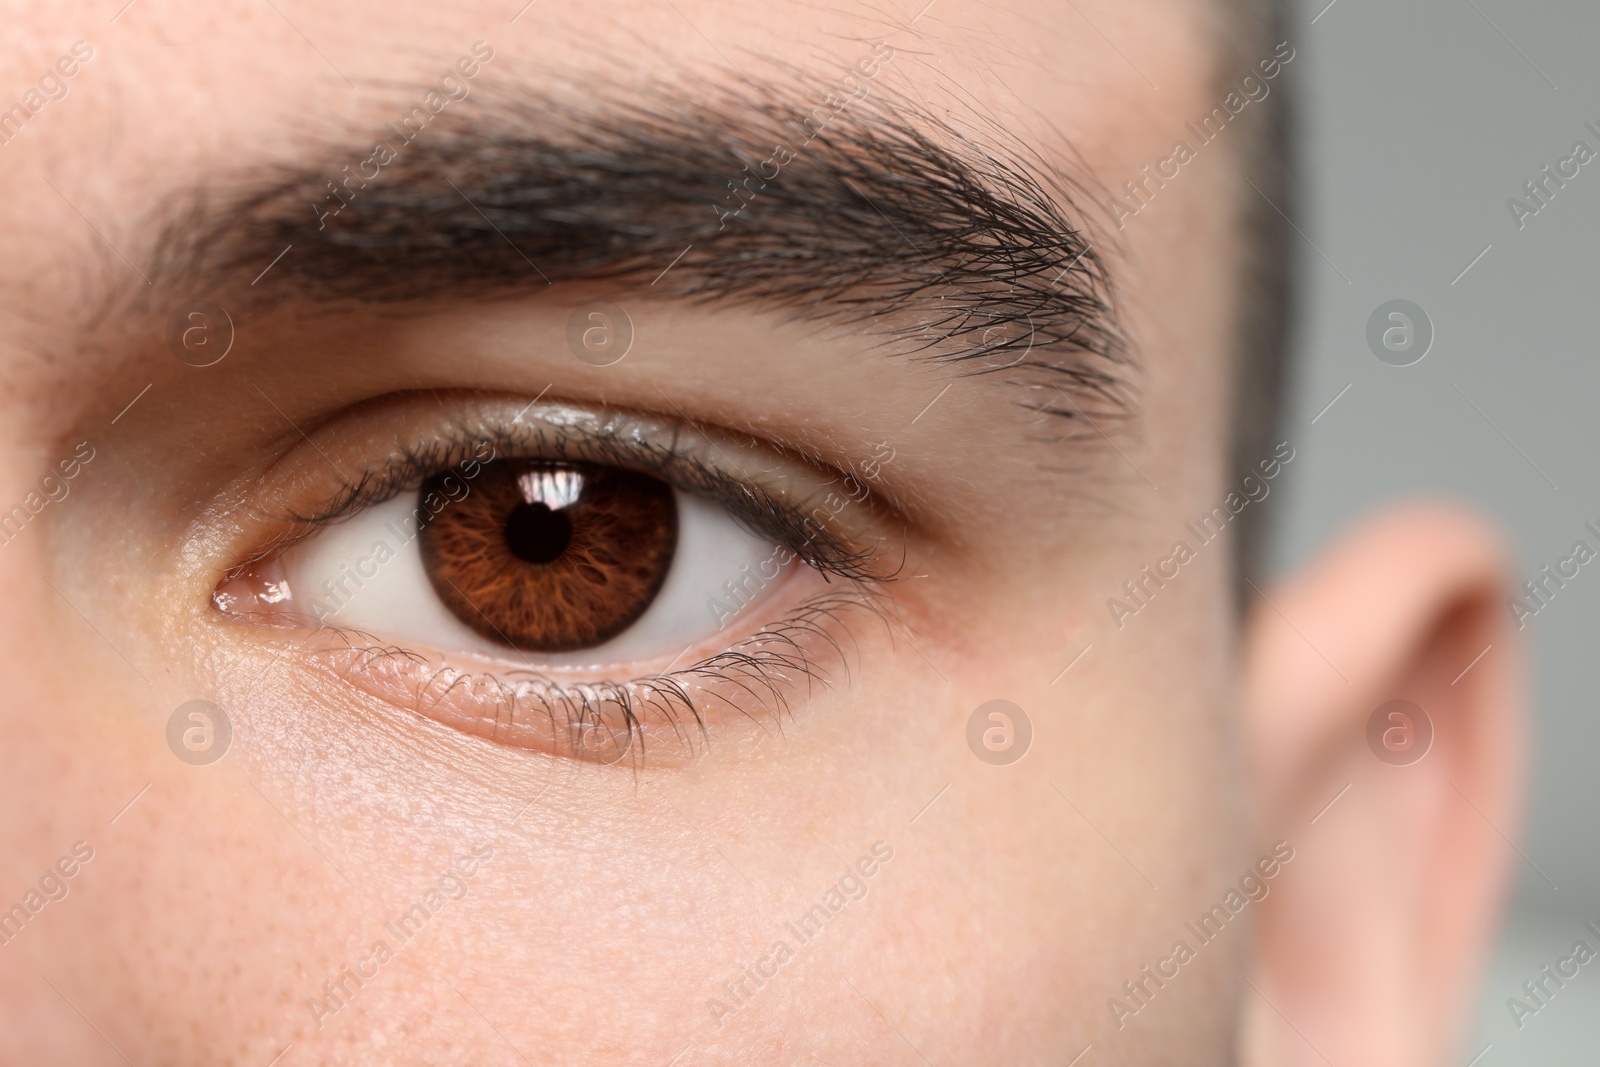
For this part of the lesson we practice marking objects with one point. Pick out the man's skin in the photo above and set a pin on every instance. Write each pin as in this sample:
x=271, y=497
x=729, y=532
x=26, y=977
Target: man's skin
x=624, y=899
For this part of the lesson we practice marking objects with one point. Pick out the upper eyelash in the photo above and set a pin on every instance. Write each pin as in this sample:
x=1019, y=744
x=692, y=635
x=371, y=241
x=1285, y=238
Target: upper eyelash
x=790, y=524
x=758, y=672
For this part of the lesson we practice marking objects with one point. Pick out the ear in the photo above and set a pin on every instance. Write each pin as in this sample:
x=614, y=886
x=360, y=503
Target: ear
x=1370, y=944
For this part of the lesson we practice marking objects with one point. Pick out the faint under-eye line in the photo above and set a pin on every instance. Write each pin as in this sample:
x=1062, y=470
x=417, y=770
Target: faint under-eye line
x=607, y=720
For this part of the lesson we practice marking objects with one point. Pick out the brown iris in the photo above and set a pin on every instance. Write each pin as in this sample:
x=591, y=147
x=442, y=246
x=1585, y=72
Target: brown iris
x=550, y=557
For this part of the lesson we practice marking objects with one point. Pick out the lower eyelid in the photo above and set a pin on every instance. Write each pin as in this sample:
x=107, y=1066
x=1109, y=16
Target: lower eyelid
x=671, y=717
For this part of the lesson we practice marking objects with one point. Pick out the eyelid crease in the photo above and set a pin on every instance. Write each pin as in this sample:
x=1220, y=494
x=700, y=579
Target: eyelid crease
x=575, y=711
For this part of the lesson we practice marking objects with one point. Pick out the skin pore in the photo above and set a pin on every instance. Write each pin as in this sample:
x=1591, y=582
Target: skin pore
x=608, y=905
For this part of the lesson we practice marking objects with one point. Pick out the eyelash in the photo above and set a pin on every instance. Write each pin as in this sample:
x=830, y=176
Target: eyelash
x=792, y=525
x=764, y=666
x=755, y=668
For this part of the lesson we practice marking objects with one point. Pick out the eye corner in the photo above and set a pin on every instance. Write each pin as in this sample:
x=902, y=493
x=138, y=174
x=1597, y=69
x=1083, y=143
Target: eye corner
x=351, y=565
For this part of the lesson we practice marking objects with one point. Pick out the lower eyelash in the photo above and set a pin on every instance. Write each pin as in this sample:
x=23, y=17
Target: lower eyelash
x=606, y=722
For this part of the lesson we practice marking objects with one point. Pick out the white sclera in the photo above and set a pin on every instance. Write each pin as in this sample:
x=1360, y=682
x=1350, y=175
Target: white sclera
x=394, y=600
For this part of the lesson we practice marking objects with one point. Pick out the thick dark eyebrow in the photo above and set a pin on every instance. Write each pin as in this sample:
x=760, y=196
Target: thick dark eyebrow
x=803, y=196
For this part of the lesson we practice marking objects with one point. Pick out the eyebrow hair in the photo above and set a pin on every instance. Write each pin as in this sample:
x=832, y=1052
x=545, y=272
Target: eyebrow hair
x=956, y=242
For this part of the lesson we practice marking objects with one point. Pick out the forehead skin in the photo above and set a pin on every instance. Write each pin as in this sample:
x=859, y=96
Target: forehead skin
x=617, y=904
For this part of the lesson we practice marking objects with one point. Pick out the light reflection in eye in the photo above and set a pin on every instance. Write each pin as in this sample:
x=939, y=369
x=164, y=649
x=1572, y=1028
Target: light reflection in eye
x=555, y=488
x=550, y=577
x=732, y=534
x=376, y=564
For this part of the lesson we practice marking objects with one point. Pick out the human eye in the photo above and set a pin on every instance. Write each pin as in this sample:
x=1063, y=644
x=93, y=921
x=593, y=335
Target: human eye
x=581, y=582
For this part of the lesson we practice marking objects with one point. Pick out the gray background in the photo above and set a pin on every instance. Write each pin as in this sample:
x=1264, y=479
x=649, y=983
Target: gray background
x=1419, y=119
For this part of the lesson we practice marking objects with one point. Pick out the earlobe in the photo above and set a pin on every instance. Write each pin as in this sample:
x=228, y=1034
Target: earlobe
x=1370, y=947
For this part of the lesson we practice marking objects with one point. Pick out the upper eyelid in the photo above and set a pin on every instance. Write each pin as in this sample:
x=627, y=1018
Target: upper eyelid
x=566, y=431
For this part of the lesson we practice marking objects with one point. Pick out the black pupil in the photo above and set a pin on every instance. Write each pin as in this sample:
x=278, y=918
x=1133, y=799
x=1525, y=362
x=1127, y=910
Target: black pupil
x=536, y=534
